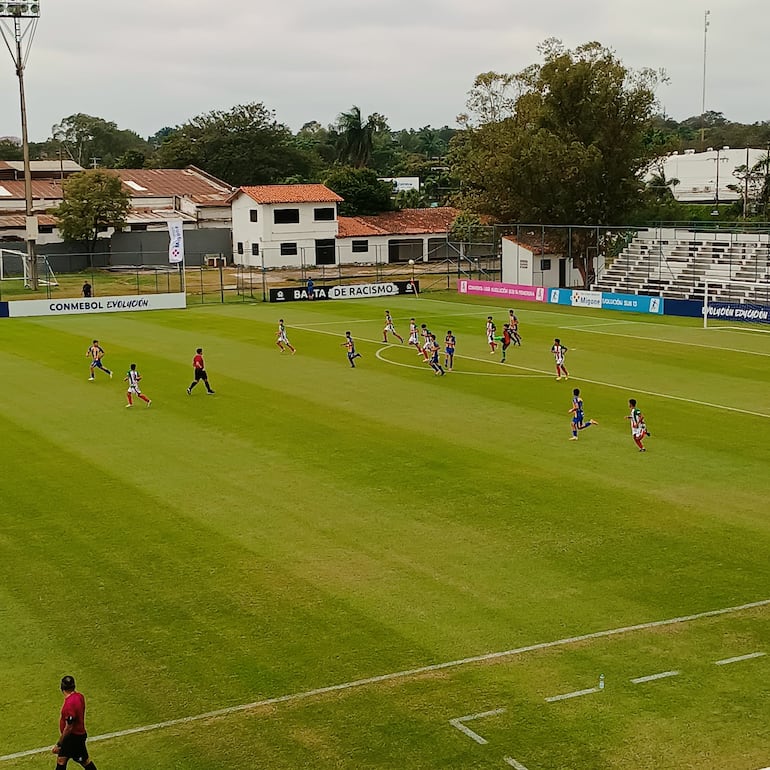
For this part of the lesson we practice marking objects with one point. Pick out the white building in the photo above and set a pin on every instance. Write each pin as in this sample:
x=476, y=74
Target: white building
x=699, y=173
x=298, y=225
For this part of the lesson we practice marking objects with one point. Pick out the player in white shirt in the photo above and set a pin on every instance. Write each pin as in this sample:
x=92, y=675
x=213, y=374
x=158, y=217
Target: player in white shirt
x=132, y=378
x=491, y=329
x=559, y=351
x=390, y=329
x=282, y=339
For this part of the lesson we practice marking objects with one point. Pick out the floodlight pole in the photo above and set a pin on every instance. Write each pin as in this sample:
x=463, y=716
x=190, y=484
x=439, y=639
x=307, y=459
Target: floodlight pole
x=703, y=103
x=16, y=13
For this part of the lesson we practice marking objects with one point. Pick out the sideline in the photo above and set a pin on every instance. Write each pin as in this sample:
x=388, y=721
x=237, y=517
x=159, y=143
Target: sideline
x=406, y=674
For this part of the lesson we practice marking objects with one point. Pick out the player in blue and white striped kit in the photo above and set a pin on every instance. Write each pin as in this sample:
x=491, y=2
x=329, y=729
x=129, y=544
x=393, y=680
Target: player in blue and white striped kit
x=578, y=415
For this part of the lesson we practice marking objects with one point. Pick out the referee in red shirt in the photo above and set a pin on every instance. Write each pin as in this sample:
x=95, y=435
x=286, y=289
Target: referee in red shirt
x=72, y=728
x=199, y=373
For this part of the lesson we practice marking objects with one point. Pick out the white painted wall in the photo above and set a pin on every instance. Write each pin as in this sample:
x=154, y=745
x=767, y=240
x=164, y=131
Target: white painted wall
x=270, y=235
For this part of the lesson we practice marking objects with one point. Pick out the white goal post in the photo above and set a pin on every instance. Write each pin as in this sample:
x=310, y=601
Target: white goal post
x=45, y=274
x=747, y=303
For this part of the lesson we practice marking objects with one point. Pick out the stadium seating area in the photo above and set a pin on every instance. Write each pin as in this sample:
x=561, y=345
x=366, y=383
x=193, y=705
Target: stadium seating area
x=679, y=263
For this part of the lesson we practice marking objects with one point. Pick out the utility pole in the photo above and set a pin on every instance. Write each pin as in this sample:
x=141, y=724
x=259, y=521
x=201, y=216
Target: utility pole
x=703, y=102
x=17, y=34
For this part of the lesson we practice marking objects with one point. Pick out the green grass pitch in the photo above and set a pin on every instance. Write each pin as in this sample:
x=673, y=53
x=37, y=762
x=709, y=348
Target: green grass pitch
x=312, y=525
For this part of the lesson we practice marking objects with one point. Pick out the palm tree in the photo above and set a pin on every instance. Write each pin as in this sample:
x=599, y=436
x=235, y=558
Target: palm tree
x=354, y=143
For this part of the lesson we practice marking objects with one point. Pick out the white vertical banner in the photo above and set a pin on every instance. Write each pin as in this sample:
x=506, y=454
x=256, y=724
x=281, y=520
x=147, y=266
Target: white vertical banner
x=176, y=241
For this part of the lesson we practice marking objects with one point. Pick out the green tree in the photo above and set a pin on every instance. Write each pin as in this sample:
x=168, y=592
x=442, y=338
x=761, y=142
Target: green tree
x=10, y=149
x=572, y=150
x=89, y=140
x=93, y=201
x=363, y=192
x=245, y=145
x=354, y=138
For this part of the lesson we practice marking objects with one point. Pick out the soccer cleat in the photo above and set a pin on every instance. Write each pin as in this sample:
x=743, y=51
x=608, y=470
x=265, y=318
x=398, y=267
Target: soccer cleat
x=148, y=403
x=558, y=378
x=128, y=406
x=573, y=438
x=592, y=422
x=211, y=392
x=110, y=375
x=189, y=392
x=90, y=379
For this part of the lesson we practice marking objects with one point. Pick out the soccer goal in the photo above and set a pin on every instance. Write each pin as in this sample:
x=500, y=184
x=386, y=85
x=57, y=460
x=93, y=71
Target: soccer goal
x=14, y=266
x=744, y=303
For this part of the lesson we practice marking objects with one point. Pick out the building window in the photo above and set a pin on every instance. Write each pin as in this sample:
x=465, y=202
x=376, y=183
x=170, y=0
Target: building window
x=46, y=228
x=325, y=251
x=288, y=249
x=286, y=216
x=138, y=228
x=253, y=215
x=359, y=247
x=323, y=215
x=545, y=264
x=254, y=249
x=239, y=247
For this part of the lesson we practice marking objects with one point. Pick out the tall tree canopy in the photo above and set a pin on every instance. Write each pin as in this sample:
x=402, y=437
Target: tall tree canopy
x=243, y=146
x=570, y=146
x=93, y=201
x=93, y=141
x=363, y=192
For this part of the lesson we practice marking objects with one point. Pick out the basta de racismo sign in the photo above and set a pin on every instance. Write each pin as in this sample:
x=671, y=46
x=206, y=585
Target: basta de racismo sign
x=350, y=291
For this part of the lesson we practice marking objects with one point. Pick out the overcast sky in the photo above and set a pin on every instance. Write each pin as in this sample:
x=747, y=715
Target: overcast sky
x=146, y=64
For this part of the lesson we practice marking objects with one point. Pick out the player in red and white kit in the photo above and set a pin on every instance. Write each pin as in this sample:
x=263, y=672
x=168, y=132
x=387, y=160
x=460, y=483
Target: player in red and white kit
x=390, y=329
x=414, y=335
x=491, y=329
x=72, y=728
x=638, y=425
x=132, y=378
x=559, y=351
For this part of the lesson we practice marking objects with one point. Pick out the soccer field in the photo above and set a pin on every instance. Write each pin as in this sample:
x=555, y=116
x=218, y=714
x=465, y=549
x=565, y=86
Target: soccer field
x=325, y=567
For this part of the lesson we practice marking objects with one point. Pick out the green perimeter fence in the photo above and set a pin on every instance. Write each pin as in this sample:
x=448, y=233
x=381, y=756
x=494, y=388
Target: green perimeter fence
x=220, y=282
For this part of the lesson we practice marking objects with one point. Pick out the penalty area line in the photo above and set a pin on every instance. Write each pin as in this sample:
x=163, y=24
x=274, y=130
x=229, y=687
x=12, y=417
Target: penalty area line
x=407, y=674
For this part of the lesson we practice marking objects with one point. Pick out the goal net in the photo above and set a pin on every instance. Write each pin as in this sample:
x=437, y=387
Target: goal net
x=736, y=303
x=14, y=266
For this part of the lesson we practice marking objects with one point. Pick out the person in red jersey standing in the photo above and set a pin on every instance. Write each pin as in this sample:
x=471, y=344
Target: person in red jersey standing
x=199, y=373
x=72, y=728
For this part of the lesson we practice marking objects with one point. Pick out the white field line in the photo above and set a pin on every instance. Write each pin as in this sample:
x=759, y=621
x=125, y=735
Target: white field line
x=653, y=677
x=739, y=658
x=410, y=673
x=467, y=731
x=613, y=385
x=639, y=338
x=379, y=355
x=459, y=723
x=607, y=322
x=568, y=695
x=513, y=763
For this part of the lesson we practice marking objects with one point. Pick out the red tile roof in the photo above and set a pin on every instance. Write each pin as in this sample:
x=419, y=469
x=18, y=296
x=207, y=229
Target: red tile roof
x=292, y=193
x=404, y=222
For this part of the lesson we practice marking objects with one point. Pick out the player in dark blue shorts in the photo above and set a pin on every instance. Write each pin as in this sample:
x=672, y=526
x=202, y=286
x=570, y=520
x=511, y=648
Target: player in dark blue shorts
x=450, y=343
x=578, y=415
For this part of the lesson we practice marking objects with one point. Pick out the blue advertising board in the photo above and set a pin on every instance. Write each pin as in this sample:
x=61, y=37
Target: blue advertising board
x=602, y=300
x=733, y=311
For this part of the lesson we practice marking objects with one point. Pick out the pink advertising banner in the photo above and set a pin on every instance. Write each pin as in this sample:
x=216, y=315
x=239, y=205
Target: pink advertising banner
x=507, y=290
